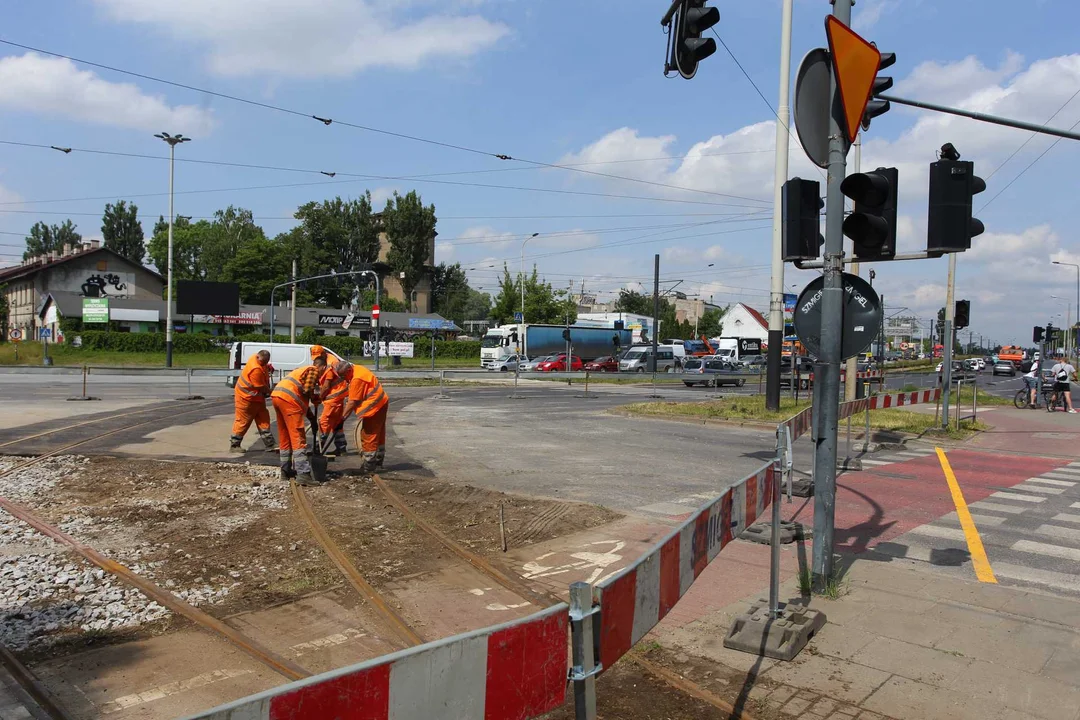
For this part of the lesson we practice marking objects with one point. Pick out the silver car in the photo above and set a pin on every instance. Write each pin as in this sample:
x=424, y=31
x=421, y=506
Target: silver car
x=637, y=359
x=530, y=365
x=506, y=364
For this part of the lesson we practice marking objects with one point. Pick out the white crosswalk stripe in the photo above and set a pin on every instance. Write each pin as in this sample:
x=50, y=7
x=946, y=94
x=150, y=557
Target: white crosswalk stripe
x=1018, y=496
x=1038, y=548
x=1039, y=488
x=1057, y=580
x=1052, y=481
x=1065, y=517
x=939, y=532
x=1055, y=475
x=1065, y=533
x=875, y=463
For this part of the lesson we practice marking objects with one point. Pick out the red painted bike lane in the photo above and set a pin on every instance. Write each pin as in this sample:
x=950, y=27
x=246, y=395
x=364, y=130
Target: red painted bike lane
x=877, y=505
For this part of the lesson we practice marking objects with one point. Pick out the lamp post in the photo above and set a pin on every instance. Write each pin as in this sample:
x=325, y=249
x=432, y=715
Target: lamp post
x=295, y=281
x=521, y=276
x=1068, y=321
x=1074, y=265
x=173, y=141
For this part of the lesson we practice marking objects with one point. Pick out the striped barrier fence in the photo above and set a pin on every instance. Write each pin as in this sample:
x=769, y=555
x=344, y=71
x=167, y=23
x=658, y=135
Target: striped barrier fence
x=512, y=671
x=801, y=422
x=632, y=602
x=864, y=375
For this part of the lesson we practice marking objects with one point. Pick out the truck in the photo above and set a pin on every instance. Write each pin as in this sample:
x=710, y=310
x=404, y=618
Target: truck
x=734, y=349
x=535, y=340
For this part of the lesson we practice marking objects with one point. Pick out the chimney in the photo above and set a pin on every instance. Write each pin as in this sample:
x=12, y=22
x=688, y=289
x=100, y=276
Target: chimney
x=95, y=244
x=68, y=250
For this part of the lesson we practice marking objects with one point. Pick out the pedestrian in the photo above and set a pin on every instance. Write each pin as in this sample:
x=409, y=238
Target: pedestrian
x=249, y=397
x=334, y=393
x=369, y=401
x=1063, y=372
x=1032, y=379
x=292, y=400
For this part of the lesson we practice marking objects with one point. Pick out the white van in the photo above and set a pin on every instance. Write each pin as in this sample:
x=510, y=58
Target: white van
x=285, y=357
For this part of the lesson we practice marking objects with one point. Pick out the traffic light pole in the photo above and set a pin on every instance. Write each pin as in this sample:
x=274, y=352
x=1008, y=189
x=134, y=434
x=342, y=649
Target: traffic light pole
x=947, y=351
x=832, y=308
x=852, y=363
x=994, y=119
x=780, y=171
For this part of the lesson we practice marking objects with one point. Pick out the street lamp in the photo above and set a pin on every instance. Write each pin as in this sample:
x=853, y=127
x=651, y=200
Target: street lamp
x=1073, y=265
x=173, y=141
x=1068, y=321
x=521, y=276
x=374, y=321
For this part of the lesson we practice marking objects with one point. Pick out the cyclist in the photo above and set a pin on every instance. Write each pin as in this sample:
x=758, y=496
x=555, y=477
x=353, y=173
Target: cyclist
x=1031, y=381
x=1063, y=372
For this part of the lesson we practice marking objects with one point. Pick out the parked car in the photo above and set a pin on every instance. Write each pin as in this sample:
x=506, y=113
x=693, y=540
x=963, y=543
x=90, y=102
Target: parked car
x=530, y=365
x=1004, y=367
x=748, y=361
x=557, y=363
x=711, y=371
x=804, y=366
x=603, y=364
x=637, y=359
x=507, y=364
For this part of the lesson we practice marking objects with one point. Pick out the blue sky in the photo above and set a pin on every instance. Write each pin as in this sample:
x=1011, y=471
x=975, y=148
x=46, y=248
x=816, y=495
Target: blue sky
x=552, y=82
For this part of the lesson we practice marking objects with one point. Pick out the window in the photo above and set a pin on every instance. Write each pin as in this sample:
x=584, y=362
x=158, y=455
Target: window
x=666, y=355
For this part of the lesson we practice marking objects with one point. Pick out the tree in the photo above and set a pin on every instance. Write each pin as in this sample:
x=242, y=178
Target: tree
x=122, y=230
x=410, y=230
x=258, y=265
x=711, y=322
x=50, y=238
x=631, y=301
x=334, y=235
x=188, y=243
x=543, y=304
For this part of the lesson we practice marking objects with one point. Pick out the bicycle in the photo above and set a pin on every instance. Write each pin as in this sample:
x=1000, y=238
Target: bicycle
x=1055, y=399
x=1022, y=399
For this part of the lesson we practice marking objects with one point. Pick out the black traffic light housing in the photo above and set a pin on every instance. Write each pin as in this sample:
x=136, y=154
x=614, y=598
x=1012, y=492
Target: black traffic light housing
x=693, y=19
x=566, y=334
x=1051, y=333
x=877, y=106
x=953, y=184
x=872, y=223
x=1037, y=334
x=962, y=314
x=801, y=213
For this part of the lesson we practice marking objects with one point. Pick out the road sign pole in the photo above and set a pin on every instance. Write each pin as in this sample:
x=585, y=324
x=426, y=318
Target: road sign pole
x=947, y=351
x=780, y=171
x=831, y=323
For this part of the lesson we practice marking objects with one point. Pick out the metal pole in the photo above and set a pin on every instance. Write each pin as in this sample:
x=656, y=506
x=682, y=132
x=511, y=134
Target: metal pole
x=780, y=171
x=292, y=308
x=84, y=373
x=866, y=436
x=774, y=540
x=832, y=308
x=995, y=119
x=432, y=349
x=169, y=290
x=947, y=351
x=378, y=294
x=655, y=315
x=852, y=364
x=581, y=641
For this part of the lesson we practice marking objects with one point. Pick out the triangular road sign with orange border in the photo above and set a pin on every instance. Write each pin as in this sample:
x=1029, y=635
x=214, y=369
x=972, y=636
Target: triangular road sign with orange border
x=855, y=63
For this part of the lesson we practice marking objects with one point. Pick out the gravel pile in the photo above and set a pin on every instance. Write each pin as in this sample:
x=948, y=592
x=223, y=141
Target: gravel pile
x=47, y=592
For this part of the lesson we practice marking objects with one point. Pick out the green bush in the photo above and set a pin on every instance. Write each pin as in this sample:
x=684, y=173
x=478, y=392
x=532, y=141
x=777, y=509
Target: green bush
x=143, y=342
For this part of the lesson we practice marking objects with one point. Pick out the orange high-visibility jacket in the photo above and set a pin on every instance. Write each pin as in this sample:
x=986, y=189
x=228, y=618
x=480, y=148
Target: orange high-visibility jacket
x=366, y=390
x=292, y=387
x=335, y=387
x=253, y=380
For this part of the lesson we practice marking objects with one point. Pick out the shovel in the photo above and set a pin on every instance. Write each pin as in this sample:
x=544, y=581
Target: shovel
x=318, y=459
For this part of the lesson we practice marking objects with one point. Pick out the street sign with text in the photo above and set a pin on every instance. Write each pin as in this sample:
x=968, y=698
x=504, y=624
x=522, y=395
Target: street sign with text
x=861, y=316
x=95, y=310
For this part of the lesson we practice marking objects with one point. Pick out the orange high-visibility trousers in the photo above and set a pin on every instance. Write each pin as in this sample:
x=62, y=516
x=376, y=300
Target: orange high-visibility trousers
x=332, y=422
x=373, y=437
x=292, y=435
x=247, y=412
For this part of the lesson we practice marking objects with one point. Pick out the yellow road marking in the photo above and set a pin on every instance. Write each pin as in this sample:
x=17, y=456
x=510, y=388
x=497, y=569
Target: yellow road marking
x=974, y=542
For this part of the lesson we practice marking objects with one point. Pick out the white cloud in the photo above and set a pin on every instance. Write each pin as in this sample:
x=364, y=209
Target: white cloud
x=55, y=86
x=866, y=15
x=312, y=38
x=380, y=195
x=622, y=145
x=953, y=82
x=444, y=251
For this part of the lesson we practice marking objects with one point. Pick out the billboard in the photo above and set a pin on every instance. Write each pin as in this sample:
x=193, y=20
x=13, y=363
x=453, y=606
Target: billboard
x=207, y=298
x=95, y=310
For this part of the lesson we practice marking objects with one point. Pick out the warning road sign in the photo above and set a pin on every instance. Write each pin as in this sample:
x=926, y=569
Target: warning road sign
x=855, y=64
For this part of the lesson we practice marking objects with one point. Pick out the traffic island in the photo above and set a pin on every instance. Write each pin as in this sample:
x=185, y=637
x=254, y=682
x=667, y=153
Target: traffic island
x=782, y=637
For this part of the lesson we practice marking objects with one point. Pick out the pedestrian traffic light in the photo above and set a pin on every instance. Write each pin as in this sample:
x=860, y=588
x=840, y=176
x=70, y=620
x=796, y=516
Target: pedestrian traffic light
x=962, y=315
x=566, y=334
x=953, y=184
x=801, y=213
x=877, y=106
x=1037, y=334
x=693, y=19
x=872, y=222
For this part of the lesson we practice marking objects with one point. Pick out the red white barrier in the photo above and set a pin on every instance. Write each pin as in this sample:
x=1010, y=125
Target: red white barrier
x=864, y=375
x=800, y=424
x=512, y=671
x=901, y=399
x=635, y=600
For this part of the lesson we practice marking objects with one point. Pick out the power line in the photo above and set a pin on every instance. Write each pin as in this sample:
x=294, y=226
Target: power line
x=369, y=128
x=1032, y=136
x=1028, y=167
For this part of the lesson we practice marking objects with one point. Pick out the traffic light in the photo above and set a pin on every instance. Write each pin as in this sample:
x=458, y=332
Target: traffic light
x=962, y=315
x=694, y=18
x=877, y=106
x=949, y=226
x=1051, y=333
x=1037, y=334
x=566, y=334
x=801, y=215
x=872, y=222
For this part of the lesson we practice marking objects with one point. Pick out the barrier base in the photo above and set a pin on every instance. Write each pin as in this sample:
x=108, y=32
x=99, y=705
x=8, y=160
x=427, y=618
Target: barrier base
x=802, y=487
x=82, y=398
x=781, y=638
x=761, y=532
x=850, y=464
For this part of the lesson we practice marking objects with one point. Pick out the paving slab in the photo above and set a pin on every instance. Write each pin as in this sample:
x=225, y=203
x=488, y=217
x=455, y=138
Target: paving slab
x=1035, y=695
x=901, y=697
x=831, y=677
x=915, y=662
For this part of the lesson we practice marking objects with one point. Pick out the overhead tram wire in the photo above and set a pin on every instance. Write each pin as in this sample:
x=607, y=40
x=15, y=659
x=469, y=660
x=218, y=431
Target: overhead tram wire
x=366, y=128
x=441, y=216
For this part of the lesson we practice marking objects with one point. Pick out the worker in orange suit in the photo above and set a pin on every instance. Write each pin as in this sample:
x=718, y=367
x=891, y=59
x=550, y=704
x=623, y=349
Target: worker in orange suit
x=334, y=392
x=292, y=400
x=249, y=396
x=369, y=401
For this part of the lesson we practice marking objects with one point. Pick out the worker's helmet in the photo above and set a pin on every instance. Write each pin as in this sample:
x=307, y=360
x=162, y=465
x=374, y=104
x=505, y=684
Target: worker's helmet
x=317, y=351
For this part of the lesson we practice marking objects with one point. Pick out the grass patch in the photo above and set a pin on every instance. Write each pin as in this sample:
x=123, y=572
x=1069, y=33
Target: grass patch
x=834, y=588
x=732, y=408
x=985, y=398
x=30, y=353
x=806, y=584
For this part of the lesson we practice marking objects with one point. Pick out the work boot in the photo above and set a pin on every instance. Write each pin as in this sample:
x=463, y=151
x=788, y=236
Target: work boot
x=305, y=479
x=269, y=442
x=235, y=448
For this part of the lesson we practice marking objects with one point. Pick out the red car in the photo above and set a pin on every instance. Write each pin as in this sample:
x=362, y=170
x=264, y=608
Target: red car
x=559, y=364
x=603, y=364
